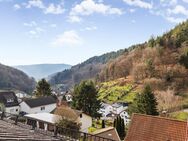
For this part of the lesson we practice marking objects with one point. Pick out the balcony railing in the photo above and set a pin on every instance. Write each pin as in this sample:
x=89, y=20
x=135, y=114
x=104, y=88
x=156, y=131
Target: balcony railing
x=59, y=132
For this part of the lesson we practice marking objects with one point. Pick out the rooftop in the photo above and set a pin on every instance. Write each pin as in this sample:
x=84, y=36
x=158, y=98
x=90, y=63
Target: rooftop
x=109, y=133
x=40, y=101
x=45, y=117
x=154, y=128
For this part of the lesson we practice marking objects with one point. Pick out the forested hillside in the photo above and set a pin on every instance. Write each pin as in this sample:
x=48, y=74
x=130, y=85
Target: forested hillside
x=11, y=78
x=86, y=70
x=162, y=62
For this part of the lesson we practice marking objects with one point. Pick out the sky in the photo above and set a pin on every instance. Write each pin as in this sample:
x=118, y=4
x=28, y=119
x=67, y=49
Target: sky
x=71, y=31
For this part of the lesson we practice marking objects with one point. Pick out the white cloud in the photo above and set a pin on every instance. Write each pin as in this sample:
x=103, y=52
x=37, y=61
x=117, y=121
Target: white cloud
x=179, y=9
x=68, y=38
x=139, y=3
x=89, y=28
x=53, y=25
x=52, y=9
x=17, y=6
x=175, y=20
x=185, y=1
x=31, y=24
x=35, y=3
x=132, y=10
x=74, y=19
x=88, y=7
x=168, y=2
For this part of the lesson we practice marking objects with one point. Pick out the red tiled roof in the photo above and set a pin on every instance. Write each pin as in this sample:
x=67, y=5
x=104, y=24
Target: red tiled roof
x=108, y=133
x=153, y=128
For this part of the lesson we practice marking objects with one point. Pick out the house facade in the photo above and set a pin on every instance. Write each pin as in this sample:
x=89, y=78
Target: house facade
x=38, y=105
x=9, y=102
x=75, y=115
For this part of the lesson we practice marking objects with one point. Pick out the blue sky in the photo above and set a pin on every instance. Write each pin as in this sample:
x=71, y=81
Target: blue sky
x=71, y=31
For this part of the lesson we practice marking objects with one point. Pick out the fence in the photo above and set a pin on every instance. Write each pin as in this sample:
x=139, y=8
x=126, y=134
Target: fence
x=59, y=132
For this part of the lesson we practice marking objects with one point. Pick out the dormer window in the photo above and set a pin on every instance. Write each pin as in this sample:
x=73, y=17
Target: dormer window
x=10, y=100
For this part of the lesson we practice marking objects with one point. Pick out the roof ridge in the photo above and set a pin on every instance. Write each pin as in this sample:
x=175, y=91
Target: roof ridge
x=152, y=116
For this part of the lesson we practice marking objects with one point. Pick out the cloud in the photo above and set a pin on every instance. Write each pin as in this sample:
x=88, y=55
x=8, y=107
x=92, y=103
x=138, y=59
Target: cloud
x=139, y=3
x=53, y=25
x=74, y=19
x=50, y=9
x=68, y=38
x=30, y=24
x=175, y=20
x=89, y=28
x=179, y=9
x=89, y=7
x=17, y=6
x=185, y=1
x=168, y=2
x=35, y=3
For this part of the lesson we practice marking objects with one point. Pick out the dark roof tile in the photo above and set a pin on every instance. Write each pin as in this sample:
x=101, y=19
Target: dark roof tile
x=40, y=101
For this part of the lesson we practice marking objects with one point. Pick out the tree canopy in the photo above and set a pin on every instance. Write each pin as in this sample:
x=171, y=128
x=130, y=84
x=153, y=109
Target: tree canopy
x=43, y=88
x=144, y=103
x=85, y=98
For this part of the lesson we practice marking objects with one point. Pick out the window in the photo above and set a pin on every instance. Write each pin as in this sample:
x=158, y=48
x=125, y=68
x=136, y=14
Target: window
x=80, y=115
x=16, y=110
x=42, y=108
x=10, y=100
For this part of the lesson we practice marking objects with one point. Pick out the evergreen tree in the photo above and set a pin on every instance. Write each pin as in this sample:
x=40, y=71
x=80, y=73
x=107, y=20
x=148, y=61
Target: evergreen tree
x=86, y=98
x=145, y=103
x=103, y=124
x=120, y=127
x=43, y=88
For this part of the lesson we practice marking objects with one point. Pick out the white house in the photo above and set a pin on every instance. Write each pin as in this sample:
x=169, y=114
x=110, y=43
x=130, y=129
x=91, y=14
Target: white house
x=38, y=105
x=21, y=96
x=119, y=107
x=9, y=102
x=44, y=121
x=76, y=116
x=124, y=115
x=105, y=109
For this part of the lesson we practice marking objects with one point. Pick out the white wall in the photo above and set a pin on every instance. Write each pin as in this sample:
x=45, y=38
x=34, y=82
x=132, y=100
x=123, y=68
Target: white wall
x=86, y=122
x=13, y=110
x=27, y=109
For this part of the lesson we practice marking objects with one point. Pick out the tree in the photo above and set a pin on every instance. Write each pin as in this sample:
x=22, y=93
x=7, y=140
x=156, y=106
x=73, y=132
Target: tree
x=144, y=103
x=120, y=127
x=68, y=124
x=103, y=124
x=43, y=88
x=86, y=98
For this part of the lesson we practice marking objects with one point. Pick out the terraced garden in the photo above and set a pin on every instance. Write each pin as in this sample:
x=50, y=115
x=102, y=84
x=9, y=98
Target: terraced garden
x=114, y=91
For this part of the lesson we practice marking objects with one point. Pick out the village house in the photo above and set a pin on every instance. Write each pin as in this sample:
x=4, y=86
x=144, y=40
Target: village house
x=9, y=102
x=38, y=105
x=21, y=96
x=44, y=121
x=119, y=107
x=155, y=128
x=107, y=133
x=124, y=115
x=105, y=109
x=76, y=116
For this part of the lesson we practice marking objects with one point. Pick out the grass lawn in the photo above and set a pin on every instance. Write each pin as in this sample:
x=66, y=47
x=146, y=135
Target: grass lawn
x=179, y=115
x=97, y=124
